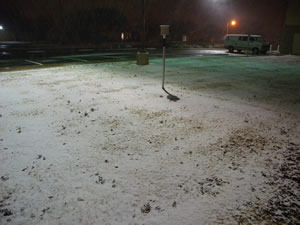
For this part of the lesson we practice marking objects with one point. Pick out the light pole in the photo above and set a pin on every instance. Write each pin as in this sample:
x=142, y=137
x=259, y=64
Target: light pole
x=144, y=25
x=142, y=56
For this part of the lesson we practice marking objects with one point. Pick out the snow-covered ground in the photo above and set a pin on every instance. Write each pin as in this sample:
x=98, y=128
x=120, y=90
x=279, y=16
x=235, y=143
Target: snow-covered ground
x=102, y=144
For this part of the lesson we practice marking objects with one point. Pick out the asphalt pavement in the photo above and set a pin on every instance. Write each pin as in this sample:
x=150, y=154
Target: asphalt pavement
x=25, y=55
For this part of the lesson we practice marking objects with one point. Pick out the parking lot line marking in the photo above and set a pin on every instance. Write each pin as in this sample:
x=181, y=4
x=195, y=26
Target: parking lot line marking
x=40, y=64
x=80, y=60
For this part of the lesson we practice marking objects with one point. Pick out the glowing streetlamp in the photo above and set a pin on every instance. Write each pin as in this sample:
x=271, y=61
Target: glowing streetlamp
x=1, y=27
x=231, y=23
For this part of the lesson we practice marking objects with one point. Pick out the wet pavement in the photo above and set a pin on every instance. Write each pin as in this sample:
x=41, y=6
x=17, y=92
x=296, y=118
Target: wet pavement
x=14, y=55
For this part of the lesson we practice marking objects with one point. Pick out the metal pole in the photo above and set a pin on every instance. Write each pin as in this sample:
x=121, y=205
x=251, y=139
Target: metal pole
x=227, y=28
x=164, y=32
x=144, y=23
x=248, y=44
x=164, y=64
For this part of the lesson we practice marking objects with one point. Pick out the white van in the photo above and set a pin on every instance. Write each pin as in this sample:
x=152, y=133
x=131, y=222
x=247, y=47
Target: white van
x=240, y=42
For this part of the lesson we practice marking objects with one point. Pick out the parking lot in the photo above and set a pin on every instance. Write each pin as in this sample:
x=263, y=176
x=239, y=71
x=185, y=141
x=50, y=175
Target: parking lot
x=19, y=55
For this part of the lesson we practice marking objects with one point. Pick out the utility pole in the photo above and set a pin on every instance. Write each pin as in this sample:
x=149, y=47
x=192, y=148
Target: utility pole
x=142, y=55
x=144, y=25
x=227, y=28
x=248, y=44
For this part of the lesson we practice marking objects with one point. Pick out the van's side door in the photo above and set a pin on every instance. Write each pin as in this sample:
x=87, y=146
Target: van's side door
x=252, y=43
x=243, y=42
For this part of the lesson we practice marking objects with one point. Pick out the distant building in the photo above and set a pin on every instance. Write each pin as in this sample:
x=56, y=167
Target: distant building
x=290, y=39
x=6, y=35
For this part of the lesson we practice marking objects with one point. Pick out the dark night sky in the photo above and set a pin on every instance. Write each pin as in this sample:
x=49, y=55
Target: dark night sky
x=196, y=18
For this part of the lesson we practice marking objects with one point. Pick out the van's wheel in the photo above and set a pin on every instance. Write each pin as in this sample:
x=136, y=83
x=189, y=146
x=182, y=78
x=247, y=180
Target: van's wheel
x=231, y=49
x=255, y=51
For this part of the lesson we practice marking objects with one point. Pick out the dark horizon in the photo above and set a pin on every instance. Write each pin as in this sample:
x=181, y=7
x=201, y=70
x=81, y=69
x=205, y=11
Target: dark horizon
x=84, y=20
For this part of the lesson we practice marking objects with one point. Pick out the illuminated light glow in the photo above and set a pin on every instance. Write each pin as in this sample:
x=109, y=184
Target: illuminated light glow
x=1, y=27
x=233, y=23
x=122, y=36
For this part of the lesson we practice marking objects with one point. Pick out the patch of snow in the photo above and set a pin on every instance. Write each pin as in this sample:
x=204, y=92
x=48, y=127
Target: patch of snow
x=101, y=143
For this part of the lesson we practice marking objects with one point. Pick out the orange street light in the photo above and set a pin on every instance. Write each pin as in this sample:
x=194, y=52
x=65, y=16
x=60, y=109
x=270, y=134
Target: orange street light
x=232, y=23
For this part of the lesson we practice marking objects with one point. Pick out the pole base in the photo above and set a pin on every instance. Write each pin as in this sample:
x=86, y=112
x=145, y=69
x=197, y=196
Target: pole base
x=173, y=98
